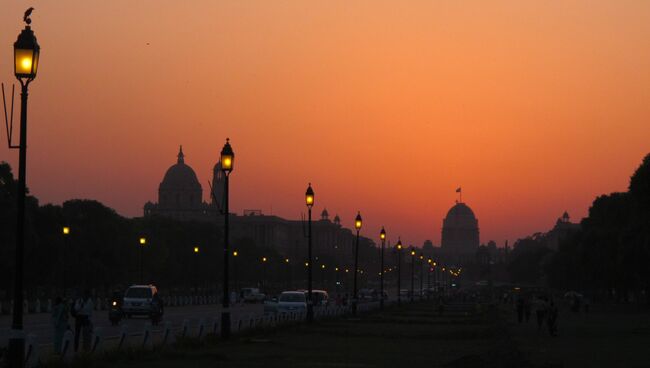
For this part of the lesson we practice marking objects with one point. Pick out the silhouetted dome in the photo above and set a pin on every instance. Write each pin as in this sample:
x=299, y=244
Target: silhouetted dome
x=325, y=215
x=460, y=233
x=180, y=176
x=461, y=213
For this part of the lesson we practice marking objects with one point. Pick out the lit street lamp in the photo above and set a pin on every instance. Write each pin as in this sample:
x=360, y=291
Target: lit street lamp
x=66, y=234
x=412, y=274
x=309, y=201
x=227, y=159
x=421, y=275
x=196, y=270
x=26, y=56
x=264, y=259
x=143, y=243
x=357, y=225
x=398, y=247
x=382, y=236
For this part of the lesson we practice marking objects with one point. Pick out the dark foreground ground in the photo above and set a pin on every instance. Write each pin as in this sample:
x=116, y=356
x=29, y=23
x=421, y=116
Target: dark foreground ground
x=416, y=336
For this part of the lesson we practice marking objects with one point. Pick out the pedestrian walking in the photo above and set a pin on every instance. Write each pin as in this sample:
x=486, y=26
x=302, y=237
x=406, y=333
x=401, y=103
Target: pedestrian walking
x=83, y=327
x=527, y=309
x=60, y=322
x=551, y=319
x=520, y=309
x=540, y=312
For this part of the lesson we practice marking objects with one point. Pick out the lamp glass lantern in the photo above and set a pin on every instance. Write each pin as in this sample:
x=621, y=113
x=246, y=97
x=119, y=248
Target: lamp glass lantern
x=227, y=157
x=358, y=221
x=143, y=241
x=66, y=230
x=309, y=196
x=26, y=54
x=382, y=234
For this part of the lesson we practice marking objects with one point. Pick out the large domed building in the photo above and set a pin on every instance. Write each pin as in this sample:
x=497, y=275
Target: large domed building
x=460, y=233
x=180, y=194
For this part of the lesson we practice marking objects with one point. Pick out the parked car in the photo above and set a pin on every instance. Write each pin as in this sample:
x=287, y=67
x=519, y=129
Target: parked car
x=143, y=300
x=252, y=295
x=319, y=297
x=271, y=305
x=292, y=301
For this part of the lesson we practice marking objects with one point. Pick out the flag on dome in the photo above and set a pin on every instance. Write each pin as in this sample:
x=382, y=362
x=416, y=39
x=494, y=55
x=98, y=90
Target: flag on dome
x=458, y=190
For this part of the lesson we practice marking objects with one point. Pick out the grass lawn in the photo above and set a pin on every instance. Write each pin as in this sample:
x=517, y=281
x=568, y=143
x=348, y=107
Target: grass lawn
x=416, y=336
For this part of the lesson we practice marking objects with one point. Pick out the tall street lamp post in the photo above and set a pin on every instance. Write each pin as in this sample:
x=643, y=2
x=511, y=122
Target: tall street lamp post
x=412, y=274
x=26, y=55
x=227, y=159
x=262, y=284
x=382, y=236
x=235, y=254
x=428, y=277
x=357, y=225
x=421, y=275
x=398, y=247
x=196, y=270
x=143, y=243
x=66, y=234
x=309, y=201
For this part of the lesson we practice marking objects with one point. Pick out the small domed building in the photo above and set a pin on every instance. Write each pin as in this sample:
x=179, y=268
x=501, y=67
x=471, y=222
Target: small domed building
x=180, y=194
x=460, y=232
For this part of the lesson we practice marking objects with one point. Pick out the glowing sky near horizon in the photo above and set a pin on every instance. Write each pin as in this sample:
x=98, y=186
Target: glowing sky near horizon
x=533, y=107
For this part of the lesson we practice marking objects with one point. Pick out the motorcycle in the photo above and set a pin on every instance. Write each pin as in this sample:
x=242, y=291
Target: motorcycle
x=115, y=314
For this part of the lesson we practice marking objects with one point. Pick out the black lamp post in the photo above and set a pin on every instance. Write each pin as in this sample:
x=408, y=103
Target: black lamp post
x=309, y=201
x=357, y=225
x=143, y=243
x=382, y=236
x=66, y=234
x=412, y=274
x=227, y=159
x=26, y=55
x=263, y=283
x=421, y=275
x=235, y=254
x=196, y=270
x=398, y=247
x=429, y=269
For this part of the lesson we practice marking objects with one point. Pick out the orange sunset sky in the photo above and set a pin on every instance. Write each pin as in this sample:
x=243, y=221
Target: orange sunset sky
x=533, y=107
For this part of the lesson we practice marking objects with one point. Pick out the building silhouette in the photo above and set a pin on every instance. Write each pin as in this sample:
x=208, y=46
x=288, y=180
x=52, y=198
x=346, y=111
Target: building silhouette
x=460, y=234
x=180, y=197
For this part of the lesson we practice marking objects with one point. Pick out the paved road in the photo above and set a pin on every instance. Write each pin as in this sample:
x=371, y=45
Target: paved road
x=41, y=326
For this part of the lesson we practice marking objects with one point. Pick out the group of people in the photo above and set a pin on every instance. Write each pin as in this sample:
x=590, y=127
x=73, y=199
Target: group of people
x=546, y=312
x=81, y=310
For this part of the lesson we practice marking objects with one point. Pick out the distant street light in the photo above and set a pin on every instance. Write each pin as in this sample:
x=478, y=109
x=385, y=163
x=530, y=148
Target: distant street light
x=357, y=225
x=421, y=275
x=382, y=236
x=66, y=234
x=412, y=274
x=264, y=259
x=398, y=248
x=227, y=160
x=143, y=243
x=26, y=56
x=196, y=269
x=309, y=201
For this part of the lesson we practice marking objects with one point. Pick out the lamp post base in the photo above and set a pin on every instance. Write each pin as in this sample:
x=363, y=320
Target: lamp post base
x=310, y=312
x=16, y=351
x=225, y=325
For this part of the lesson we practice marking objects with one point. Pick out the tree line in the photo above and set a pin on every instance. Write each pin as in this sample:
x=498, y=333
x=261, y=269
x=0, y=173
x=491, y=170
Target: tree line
x=607, y=256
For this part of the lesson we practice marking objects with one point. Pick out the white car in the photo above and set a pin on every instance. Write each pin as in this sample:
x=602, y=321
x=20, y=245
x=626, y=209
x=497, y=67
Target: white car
x=292, y=301
x=252, y=295
x=142, y=300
